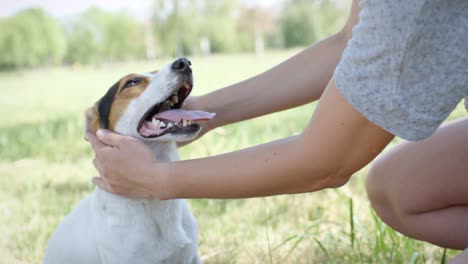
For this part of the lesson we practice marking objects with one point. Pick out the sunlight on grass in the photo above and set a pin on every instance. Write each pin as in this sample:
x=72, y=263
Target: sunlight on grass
x=45, y=169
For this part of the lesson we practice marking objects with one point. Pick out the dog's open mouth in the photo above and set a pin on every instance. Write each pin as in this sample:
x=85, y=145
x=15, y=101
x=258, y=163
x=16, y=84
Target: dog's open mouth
x=167, y=117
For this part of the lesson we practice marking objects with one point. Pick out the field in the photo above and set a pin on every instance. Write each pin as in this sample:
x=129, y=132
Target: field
x=45, y=169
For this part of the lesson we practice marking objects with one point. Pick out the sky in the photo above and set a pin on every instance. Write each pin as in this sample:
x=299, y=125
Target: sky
x=64, y=8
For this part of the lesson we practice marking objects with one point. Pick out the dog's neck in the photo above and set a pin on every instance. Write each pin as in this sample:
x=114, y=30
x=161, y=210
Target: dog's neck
x=164, y=151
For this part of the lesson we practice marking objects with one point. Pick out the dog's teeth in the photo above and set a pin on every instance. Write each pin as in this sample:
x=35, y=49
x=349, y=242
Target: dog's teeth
x=162, y=125
x=170, y=125
x=189, y=122
x=184, y=122
x=155, y=122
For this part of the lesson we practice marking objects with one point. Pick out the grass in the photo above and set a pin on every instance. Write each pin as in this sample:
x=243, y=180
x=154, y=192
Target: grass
x=45, y=169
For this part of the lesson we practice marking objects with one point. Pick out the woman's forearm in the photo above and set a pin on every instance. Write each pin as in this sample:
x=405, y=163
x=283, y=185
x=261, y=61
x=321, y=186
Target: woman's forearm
x=337, y=142
x=297, y=81
x=275, y=168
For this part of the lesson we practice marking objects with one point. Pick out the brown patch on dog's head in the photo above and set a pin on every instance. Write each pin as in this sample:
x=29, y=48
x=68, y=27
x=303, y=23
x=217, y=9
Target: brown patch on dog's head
x=109, y=109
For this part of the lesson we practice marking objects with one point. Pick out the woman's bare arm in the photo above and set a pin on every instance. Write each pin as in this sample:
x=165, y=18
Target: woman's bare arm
x=337, y=142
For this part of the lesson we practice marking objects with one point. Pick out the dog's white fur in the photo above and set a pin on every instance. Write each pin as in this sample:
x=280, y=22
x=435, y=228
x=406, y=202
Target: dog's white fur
x=106, y=228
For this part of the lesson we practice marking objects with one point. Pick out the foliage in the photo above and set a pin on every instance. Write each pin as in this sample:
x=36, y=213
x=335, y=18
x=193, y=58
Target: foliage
x=328, y=18
x=180, y=31
x=304, y=22
x=220, y=27
x=31, y=38
x=297, y=25
x=97, y=35
x=177, y=33
x=231, y=27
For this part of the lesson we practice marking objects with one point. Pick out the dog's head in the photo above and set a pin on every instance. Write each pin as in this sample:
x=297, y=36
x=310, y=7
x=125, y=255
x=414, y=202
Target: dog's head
x=147, y=106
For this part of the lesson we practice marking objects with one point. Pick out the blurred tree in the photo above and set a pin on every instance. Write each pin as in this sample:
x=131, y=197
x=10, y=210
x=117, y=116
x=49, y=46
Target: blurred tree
x=259, y=25
x=220, y=26
x=297, y=24
x=177, y=27
x=328, y=18
x=182, y=25
x=97, y=35
x=125, y=38
x=31, y=38
x=305, y=21
x=85, y=37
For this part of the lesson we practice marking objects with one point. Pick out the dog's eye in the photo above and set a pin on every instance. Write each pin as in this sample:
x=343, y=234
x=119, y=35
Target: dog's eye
x=132, y=82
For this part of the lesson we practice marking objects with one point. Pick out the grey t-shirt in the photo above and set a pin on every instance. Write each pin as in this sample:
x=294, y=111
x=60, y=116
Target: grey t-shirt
x=406, y=66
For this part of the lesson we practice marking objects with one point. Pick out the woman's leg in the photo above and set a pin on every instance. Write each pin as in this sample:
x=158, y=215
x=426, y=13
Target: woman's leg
x=461, y=259
x=421, y=188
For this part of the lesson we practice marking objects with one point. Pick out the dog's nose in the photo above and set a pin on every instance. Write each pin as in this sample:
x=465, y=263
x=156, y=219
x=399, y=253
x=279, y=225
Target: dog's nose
x=182, y=65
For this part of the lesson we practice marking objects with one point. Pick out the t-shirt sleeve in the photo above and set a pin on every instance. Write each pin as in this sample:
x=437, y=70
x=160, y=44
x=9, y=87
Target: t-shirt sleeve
x=405, y=73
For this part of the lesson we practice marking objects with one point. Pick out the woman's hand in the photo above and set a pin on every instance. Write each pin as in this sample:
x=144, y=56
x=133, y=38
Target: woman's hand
x=126, y=166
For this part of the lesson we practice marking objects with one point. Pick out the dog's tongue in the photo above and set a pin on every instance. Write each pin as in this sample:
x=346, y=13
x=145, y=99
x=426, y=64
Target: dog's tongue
x=179, y=114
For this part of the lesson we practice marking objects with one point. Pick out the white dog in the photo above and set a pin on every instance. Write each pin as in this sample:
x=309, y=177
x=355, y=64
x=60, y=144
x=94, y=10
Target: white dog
x=107, y=228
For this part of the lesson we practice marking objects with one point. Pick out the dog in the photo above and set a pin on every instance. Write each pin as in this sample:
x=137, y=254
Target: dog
x=107, y=228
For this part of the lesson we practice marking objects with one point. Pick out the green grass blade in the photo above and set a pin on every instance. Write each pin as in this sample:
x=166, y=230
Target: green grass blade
x=444, y=257
x=351, y=222
x=321, y=246
x=266, y=232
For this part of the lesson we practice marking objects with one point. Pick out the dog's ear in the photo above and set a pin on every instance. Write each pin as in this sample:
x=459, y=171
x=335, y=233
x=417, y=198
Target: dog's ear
x=92, y=119
x=104, y=105
x=97, y=116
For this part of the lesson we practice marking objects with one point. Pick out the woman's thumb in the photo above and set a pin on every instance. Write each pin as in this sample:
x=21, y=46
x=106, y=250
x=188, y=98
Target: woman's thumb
x=109, y=138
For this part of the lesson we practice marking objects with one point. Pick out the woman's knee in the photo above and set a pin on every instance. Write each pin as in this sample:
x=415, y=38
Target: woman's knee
x=375, y=185
x=388, y=187
x=381, y=191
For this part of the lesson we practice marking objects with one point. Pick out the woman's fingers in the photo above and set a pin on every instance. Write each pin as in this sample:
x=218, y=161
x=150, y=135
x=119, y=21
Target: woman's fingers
x=96, y=144
x=110, y=138
x=96, y=164
x=122, y=163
